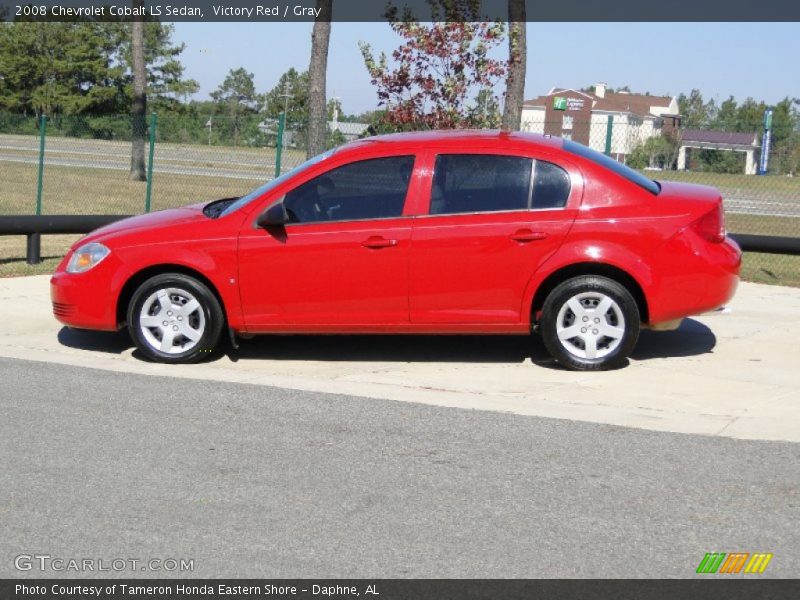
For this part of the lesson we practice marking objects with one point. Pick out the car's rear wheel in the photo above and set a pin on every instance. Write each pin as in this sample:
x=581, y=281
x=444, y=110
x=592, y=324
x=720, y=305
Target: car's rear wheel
x=590, y=323
x=174, y=318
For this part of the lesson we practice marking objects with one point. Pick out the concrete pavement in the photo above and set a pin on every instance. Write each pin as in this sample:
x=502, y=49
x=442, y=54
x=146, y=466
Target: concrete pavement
x=261, y=482
x=733, y=376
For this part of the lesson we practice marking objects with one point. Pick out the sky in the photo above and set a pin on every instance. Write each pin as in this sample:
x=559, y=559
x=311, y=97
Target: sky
x=721, y=59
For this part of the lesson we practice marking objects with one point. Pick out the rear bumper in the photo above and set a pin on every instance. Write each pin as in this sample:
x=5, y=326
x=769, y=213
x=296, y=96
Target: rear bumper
x=697, y=277
x=85, y=300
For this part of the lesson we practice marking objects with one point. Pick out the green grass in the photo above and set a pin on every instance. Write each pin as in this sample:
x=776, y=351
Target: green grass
x=768, y=185
x=776, y=269
x=763, y=225
x=12, y=254
x=74, y=190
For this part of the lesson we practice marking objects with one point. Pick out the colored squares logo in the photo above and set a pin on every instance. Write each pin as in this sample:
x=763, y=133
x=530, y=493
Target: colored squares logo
x=734, y=563
x=559, y=103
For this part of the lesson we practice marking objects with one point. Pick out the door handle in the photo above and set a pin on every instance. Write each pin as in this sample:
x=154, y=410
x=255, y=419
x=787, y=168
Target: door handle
x=526, y=235
x=377, y=241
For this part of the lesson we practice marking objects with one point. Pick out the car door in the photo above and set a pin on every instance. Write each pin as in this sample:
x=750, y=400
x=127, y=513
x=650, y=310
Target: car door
x=342, y=260
x=493, y=220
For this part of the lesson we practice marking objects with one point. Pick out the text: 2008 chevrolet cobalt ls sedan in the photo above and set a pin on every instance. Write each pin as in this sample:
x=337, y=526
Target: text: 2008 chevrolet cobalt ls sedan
x=437, y=233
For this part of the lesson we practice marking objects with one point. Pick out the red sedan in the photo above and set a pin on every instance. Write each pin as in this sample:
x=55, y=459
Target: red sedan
x=444, y=233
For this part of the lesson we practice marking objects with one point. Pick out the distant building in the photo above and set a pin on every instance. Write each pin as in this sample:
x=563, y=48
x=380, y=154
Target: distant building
x=703, y=139
x=350, y=131
x=584, y=117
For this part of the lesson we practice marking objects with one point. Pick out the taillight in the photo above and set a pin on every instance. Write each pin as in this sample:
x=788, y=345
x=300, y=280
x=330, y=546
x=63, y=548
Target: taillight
x=712, y=225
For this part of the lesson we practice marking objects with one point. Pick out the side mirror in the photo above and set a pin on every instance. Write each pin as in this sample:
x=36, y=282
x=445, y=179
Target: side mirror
x=274, y=215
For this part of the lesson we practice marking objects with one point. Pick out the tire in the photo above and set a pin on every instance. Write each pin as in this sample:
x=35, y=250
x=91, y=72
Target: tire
x=174, y=319
x=600, y=341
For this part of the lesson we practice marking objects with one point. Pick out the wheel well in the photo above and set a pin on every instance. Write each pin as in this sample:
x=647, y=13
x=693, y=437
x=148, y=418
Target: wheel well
x=138, y=278
x=618, y=275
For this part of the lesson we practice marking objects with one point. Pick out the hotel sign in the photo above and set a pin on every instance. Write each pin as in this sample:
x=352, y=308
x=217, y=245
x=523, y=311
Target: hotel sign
x=563, y=103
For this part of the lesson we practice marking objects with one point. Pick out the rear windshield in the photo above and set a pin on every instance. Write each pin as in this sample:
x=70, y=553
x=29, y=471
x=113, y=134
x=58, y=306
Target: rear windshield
x=612, y=165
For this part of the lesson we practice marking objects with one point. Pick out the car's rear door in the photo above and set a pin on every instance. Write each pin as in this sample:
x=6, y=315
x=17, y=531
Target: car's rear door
x=343, y=260
x=494, y=219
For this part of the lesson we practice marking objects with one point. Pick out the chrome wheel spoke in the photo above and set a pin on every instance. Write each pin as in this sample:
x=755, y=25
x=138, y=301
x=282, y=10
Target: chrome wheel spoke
x=189, y=307
x=603, y=307
x=614, y=333
x=590, y=342
x=192, y=334
x=576, y=307
x=567, y=333
x=163, y=300
x=167, y=340
x=152, y=321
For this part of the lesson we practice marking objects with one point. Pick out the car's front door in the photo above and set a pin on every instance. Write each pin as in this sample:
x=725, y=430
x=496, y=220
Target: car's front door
x=493, y=221
x=341, y=261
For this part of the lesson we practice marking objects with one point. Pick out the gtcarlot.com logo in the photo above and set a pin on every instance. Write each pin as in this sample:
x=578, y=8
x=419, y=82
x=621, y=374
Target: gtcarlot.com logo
x=45, y=562
x=734, y=563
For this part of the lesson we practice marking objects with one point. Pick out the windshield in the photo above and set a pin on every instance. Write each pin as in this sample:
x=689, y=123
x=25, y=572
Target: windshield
x=613, y=165
x=273, y=183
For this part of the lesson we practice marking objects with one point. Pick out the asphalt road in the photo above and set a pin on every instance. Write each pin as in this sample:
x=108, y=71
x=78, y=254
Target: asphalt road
x=250, y=480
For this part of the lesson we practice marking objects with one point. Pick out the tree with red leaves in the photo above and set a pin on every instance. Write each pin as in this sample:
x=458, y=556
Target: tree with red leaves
x=442, y=76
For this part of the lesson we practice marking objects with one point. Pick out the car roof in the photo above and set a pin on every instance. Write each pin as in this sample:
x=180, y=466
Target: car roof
x=457, y=138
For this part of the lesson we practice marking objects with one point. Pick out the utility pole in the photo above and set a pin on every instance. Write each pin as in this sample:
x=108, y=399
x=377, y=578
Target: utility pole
x=281, y=127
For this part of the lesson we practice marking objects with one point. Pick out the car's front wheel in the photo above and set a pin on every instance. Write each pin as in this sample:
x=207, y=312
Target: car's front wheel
x=174, y=318
x=590, y=323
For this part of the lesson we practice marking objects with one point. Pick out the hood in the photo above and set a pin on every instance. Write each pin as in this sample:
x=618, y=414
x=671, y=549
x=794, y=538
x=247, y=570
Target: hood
x=150, y=222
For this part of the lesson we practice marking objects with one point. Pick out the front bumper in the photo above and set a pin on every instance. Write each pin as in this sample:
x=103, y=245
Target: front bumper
x=86, y=300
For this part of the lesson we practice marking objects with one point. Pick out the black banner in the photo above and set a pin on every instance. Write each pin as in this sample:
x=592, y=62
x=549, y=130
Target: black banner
x=278, y=11
x=400, y=589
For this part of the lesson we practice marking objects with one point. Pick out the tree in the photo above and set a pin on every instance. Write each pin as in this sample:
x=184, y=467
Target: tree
x=517, y=64
x=317, y=72
x=296, y=85
x=726, y=116
x=694, y=112
x=334, y=109
x=438, y=67
x=59, y=68
x=166, y=86
x=656, y=152
x=236, y=96
x=85, y=67
x=139, y=104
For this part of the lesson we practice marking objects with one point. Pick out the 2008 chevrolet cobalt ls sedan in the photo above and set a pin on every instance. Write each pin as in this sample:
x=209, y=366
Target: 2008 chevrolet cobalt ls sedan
x=437, y=233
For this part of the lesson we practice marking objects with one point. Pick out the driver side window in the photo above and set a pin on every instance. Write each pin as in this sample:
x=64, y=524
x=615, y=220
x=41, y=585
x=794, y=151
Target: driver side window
x=366, y=189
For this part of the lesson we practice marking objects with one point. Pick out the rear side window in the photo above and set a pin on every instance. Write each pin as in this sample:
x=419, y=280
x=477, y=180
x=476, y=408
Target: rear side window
x=473, y=183
x=551, y=186
x=367, y=189
x=466, y=183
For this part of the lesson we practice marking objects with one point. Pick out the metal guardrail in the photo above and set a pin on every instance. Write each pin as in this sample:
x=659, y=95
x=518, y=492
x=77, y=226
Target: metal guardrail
x=34, y=227
x=768, y=244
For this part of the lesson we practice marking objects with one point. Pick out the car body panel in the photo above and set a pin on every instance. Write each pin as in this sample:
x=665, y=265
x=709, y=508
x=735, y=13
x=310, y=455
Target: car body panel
x=325, y=274
x=473, y=268
x=459, y=273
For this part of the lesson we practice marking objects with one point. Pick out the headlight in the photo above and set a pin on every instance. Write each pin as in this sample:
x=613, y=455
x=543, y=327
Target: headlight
x=86, y=257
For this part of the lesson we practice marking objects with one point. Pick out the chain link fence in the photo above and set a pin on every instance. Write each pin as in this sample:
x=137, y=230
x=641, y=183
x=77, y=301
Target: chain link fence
x=86, y=162
x=81, y=165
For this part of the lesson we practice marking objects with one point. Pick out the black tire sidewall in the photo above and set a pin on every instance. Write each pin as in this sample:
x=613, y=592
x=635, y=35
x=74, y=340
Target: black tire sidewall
x=209, y=304
x=590, y=283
